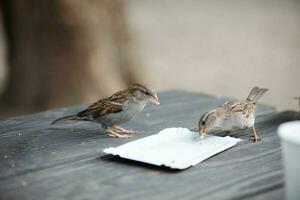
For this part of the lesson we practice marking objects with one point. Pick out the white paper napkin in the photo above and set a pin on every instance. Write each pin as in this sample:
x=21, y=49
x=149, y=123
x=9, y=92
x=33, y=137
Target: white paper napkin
x=177, y=148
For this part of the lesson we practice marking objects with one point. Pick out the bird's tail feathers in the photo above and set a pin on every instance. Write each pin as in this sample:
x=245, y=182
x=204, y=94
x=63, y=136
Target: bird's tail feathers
x=69, y=117
x=256, y=93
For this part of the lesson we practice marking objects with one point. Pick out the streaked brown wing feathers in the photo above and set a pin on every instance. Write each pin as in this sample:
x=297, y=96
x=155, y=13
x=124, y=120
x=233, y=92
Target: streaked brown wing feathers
x=245, y=107
x=105, y=106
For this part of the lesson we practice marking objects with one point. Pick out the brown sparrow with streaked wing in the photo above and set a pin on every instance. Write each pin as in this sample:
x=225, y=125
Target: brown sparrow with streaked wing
x=117, y=109
x=232, y=116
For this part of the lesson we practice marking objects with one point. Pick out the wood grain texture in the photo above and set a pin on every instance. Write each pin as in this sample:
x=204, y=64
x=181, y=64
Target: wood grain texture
x=65, y=161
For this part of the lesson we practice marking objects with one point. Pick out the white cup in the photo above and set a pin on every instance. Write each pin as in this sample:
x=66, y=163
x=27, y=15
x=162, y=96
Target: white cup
x=289, y=133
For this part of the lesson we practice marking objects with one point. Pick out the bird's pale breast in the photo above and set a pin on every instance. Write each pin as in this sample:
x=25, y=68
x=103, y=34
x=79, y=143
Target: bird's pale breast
x=129, y=110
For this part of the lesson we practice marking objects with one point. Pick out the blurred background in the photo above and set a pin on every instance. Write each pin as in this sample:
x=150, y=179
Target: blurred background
x=63, y=52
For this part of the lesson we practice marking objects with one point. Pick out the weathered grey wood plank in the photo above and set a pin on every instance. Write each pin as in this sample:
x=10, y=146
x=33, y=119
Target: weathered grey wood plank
x=65, y=161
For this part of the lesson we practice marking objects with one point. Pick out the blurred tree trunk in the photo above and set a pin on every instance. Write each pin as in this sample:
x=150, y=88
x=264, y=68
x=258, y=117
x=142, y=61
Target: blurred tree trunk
x=3, y=56
x=67, y=51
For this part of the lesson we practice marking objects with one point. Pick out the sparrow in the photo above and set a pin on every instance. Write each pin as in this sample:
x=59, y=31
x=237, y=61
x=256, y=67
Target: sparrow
x=232, y=116
x=116, y=109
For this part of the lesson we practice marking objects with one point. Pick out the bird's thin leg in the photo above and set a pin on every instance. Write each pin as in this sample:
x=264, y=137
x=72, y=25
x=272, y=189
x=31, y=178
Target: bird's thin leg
x=254, y=137
x=115, y=134
x=123, y=131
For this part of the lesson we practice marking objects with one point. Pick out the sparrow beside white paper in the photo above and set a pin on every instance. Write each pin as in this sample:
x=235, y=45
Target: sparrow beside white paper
x=177, y=148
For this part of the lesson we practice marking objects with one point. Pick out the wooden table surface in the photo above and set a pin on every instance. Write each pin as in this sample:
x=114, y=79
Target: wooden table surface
x=65, y=161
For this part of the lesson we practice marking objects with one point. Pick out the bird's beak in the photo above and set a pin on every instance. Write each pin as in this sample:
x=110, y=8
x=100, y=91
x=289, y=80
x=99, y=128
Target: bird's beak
x=203, y=131
x=154, y=99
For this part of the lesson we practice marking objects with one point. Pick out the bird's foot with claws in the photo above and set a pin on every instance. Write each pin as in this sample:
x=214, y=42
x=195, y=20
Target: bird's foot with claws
x=119, y=129
x=119, y=132
x=255, y=139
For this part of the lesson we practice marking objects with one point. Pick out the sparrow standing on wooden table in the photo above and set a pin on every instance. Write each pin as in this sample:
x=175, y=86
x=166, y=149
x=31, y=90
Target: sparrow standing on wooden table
x=232, y=116
x=117, y=109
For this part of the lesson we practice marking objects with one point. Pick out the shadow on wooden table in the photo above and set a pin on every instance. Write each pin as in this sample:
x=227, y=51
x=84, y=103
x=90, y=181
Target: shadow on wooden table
x=132, y=163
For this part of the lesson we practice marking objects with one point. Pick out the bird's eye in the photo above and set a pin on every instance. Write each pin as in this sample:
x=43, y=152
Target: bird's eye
x=203, y=123
x=147, y=93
